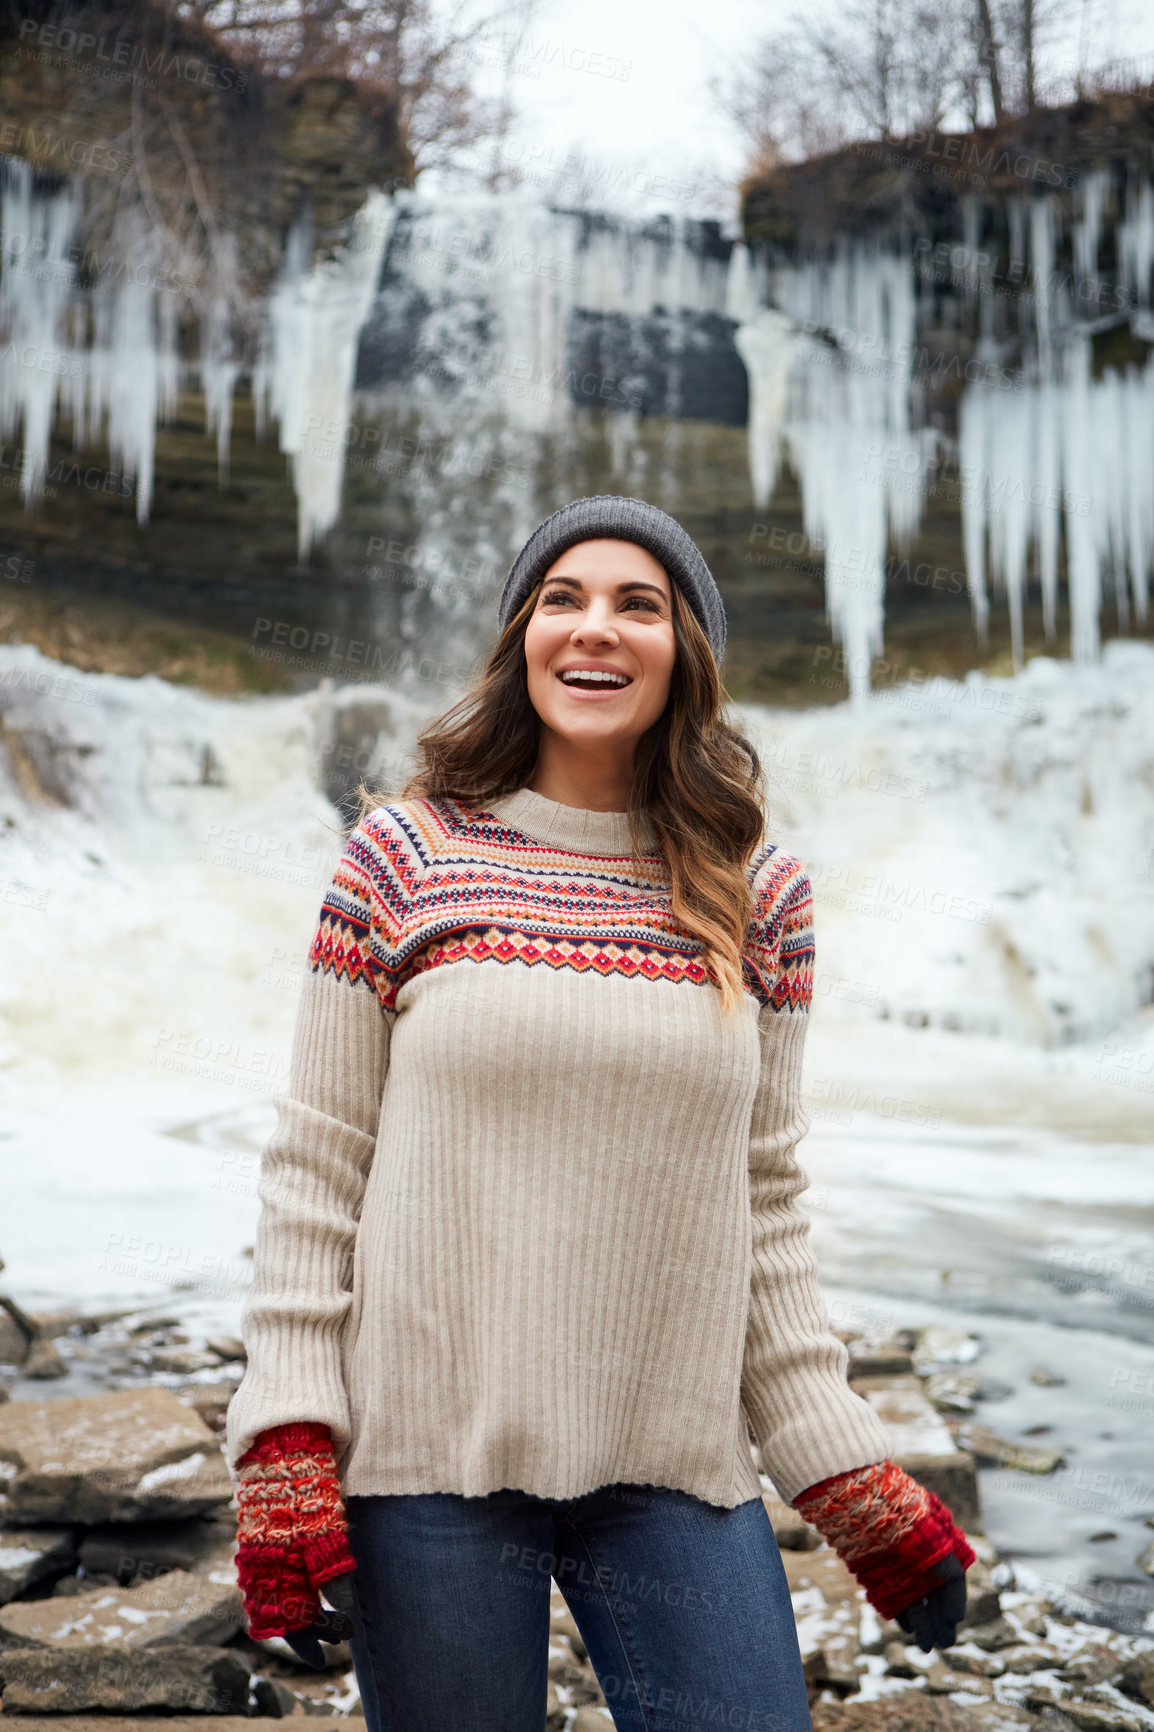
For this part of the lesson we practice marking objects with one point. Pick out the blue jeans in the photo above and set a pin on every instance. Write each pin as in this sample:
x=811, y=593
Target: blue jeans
x=683, y=1607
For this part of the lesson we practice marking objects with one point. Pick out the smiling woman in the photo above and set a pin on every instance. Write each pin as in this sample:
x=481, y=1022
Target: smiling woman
x=599, y=655
x=530, y=1277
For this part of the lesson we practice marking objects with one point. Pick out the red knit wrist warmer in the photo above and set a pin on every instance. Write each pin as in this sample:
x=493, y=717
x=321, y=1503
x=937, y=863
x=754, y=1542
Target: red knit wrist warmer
x=291, y=1529
x=887, y=1529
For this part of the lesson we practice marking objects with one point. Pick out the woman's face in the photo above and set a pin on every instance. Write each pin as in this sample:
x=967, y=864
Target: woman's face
x=604, y=607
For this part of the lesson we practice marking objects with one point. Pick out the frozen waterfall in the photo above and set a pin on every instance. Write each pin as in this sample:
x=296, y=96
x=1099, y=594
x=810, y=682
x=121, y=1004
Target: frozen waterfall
x=493, y=320
x=108, y=356
x=1055, y=460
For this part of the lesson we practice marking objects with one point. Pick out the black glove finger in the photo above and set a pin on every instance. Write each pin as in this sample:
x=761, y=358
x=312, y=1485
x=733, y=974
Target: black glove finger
x=946, y=1604
x=953, y=1592
x=915, y=1621
x=305, y=1644
x=933, y=1620
x=942, y=1630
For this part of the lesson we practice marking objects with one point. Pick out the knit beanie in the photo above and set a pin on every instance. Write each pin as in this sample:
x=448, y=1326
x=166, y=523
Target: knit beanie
x=622, y=519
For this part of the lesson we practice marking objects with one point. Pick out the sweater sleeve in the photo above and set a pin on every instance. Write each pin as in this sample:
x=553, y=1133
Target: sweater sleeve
x=805, y=1419
x=316, y=1163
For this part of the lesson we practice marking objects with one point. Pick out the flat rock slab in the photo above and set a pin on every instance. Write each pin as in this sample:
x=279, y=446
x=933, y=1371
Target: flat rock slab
x=204, y=1546
x=914, y=1423
x=193, y=1677
x=175, y=1607
x=26, y=1554
x=121, y=1456
x=909, y=1711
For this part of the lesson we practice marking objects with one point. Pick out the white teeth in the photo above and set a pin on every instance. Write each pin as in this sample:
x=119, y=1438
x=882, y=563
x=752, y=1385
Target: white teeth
x=584, y=675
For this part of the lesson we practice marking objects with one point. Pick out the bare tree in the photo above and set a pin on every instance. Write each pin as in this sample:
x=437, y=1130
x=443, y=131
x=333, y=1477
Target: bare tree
x=1030, y=31
x=890, y=69
x=778, y=105
x=988, y=60
x=875, y=69
x=423, y=58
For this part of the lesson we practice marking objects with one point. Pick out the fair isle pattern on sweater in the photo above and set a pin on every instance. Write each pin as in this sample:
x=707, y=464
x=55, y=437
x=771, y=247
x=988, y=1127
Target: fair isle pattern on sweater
x=433, y=882
x=529, y=1216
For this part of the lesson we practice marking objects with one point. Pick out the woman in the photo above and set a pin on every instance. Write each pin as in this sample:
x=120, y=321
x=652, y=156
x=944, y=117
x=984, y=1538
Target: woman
x=529, y=1267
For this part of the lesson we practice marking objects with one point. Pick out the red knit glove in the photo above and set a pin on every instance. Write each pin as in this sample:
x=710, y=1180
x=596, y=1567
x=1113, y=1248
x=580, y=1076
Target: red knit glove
x=888, y=1530
x=291, y=1530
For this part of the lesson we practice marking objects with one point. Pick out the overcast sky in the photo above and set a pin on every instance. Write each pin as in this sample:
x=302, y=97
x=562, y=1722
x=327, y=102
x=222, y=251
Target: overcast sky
x=624, y=85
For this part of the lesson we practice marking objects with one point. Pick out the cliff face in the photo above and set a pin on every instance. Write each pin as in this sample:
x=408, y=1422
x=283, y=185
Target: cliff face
x=128, y=94
x=910, y=384
x=918, y=187
x=170, y=190
x=1046, y=210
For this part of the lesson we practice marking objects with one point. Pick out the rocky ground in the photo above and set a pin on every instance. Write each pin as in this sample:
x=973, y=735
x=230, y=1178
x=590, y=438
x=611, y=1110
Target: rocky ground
x=118, y=1595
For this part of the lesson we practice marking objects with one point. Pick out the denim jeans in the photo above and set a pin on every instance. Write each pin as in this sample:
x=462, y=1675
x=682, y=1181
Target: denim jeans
x=683, y=1607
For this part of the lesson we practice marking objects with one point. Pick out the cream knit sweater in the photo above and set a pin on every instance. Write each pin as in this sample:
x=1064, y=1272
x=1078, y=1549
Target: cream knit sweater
x=529, y=1213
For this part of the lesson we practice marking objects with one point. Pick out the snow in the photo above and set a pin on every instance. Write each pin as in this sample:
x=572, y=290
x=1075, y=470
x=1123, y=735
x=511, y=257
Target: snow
x=187, y=1468
x=15, y=1557
x=979, y=859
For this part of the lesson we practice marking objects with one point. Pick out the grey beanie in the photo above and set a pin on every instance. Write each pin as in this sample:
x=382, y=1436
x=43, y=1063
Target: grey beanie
x=622, y=519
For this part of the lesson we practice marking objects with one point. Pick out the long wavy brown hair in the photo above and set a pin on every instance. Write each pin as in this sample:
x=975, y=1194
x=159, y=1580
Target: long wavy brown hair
x=698, y=778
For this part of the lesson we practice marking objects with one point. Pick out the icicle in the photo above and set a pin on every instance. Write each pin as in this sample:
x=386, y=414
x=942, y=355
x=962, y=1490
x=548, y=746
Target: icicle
x=1083, y=572
x=1137, y=455
x=1043, y=221
x=742, y=301
x=862, y=470
x=1135, y=243
x=37, y=277
x=1046, y=517
x=316, y=321
x=767, y=346
x=1087, y=233
x=973, y=435
x=134, y=372
x=218, y=374
x=1010, y=525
